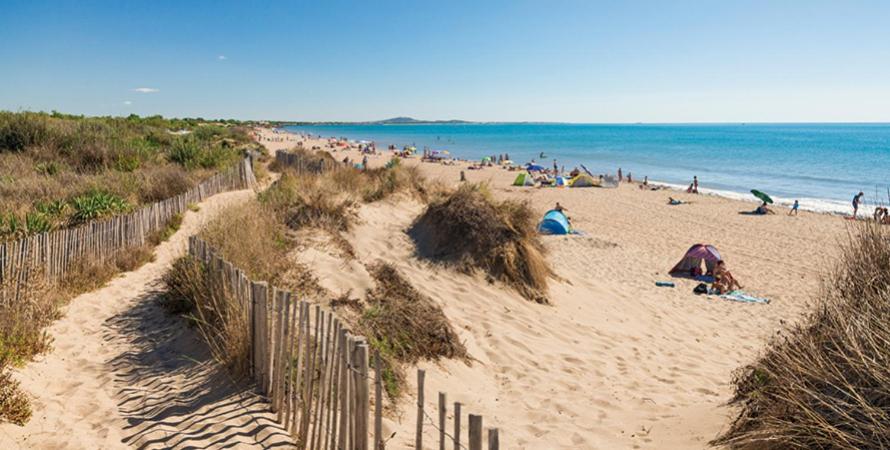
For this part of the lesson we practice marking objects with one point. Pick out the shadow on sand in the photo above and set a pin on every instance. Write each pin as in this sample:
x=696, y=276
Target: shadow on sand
x=173, y=395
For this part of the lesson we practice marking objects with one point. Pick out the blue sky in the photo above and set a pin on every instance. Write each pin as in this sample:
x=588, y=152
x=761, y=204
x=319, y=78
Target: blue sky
x=574, y=61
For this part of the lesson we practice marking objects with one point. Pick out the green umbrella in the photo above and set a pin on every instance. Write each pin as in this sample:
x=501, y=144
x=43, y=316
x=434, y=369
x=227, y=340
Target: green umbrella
x=762, y=196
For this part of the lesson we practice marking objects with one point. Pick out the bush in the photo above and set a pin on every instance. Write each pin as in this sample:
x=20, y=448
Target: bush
x=469, y=230
x=96, y=204
x=19, y=131
x=825, y=383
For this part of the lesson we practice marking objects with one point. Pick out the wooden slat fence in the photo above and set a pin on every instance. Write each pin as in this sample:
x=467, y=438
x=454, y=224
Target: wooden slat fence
x=315, y=372
x=51, y=254
x=301, y=164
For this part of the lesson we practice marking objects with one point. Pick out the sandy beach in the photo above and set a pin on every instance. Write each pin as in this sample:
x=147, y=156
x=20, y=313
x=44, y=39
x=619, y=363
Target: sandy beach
x=614, y=361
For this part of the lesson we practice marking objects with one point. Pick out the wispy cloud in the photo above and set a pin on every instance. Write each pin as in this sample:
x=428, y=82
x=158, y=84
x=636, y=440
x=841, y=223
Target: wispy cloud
x=146, y=90
x=222, y=57
x=127, y=102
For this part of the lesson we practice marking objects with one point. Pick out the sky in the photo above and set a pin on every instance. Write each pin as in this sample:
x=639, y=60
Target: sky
x=558, y=61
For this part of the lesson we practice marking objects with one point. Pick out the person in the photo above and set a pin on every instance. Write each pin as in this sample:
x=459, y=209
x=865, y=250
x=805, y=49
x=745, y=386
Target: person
x=365, y=162
x=695, y=184
x=560, y=208
x=646, y=180
x=689, y=189
x=555, y=168
x=881, y=214
x=724, y=282
x=629, y=178
x=763, y=209
x=575, y=172
x=794, y=208
x=542, y=156
x=619, y=175
x=673, y=201
x=463, y=176
x=857, y=200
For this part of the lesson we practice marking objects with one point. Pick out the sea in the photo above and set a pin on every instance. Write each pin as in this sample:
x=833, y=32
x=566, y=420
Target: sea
x=821, y=165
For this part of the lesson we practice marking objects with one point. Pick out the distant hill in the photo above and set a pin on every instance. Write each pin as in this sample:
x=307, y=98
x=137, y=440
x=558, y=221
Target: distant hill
x=411, y=120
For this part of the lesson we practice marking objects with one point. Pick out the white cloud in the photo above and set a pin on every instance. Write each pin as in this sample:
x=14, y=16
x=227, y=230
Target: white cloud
x=222, y=57
x=127, y=102
x=145, y=90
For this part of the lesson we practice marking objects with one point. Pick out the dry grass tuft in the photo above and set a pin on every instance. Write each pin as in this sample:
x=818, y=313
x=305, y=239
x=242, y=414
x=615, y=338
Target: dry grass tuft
x=203, y=296
x=825, y=384
x=470, y=230
x=404, y=325
x=251, y=237
x=15, y=407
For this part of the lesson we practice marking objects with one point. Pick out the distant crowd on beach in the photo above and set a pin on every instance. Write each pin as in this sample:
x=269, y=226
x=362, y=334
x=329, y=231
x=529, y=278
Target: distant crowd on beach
x=546, y=176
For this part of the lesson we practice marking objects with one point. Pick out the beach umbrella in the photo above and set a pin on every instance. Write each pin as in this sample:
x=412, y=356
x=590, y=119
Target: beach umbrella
x=486, y=159
x=762, y=196
x=534, y=167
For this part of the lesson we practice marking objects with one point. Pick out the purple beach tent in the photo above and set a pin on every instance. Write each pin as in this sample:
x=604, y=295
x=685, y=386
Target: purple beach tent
x=691, y=264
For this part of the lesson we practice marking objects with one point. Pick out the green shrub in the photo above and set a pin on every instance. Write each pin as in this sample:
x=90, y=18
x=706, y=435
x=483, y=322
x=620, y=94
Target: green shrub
x=96, y=204
x=22, y=130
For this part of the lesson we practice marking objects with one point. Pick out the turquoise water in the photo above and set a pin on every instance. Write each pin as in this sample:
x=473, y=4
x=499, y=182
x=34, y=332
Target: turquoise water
x=822, y=165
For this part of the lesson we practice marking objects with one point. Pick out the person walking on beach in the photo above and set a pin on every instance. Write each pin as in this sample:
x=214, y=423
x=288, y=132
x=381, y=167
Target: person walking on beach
x=857, y=200
x=619, y=174
x=555, y=168
x=695, y=184
x=794, y=208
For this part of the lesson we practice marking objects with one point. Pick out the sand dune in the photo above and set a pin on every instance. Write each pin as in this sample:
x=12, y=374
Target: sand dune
x=614, y=362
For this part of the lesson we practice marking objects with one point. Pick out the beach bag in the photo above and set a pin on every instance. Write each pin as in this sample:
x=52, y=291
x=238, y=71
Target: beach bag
x=700, y=289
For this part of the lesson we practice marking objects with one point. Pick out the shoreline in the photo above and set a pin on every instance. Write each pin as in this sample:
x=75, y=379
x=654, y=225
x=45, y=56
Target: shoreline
x=832, y=207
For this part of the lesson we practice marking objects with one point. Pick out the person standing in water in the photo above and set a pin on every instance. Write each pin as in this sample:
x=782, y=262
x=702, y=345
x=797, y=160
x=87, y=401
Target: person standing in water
x=695, y=184
x=857, y=200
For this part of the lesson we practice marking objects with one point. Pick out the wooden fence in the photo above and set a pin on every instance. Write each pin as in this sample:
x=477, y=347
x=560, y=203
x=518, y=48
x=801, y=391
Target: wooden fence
x=51, y=254
x=315, y=372
x=300, y=163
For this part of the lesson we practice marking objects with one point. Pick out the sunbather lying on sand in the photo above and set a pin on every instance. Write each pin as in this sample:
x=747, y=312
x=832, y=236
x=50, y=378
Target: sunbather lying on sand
x=673, y=201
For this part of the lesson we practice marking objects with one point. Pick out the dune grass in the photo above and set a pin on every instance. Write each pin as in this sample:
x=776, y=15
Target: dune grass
x=825, y=383
x=58, y=170
x=470, y=230
x=404, y=326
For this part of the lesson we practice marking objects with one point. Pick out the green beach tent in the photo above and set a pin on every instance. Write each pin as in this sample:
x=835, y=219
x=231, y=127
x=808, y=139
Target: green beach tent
x=524, y=179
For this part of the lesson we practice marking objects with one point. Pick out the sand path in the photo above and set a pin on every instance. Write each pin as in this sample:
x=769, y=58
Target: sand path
x=123, y=373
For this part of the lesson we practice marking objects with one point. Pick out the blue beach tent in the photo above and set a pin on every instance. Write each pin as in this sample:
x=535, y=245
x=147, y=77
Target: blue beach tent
x=554, y=222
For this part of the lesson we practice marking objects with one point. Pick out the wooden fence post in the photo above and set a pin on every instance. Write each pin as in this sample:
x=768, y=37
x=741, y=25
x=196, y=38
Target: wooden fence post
x=493, y=439
x=457, y=426
x=442, y=412
x=378, y=403
x=475, y=432
x=418, y=439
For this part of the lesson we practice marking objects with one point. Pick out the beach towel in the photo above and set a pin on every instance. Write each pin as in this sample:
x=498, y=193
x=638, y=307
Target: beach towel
x=741, y=296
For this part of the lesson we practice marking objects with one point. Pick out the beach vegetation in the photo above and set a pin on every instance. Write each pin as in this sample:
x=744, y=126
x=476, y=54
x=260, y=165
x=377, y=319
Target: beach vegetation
x=470, y=230
x=404, y=326
x=825, y=382
x=102, y=165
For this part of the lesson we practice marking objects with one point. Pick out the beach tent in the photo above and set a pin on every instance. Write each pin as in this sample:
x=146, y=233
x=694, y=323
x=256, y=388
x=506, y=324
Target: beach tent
x=583, y=180
x=524, y=179
x=690, y=265
x=609, y=181
x=561, y=181
x=554, y=222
